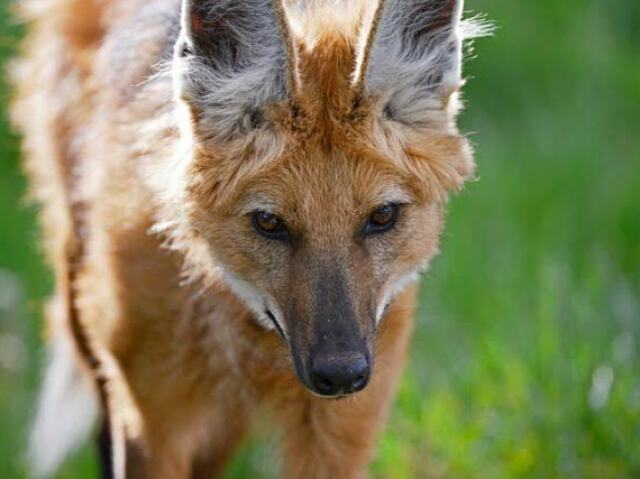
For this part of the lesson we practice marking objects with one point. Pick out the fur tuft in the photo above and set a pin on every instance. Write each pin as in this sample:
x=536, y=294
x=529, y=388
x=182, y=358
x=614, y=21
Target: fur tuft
x=230, y=62
x=67, y=410
x=416, y=61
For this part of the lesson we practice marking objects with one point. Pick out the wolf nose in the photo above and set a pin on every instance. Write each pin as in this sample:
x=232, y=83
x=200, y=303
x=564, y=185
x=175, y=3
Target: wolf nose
x=334, y=375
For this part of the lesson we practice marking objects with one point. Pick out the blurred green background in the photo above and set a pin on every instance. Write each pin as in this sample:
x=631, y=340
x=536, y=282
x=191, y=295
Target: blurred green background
x=525, y=361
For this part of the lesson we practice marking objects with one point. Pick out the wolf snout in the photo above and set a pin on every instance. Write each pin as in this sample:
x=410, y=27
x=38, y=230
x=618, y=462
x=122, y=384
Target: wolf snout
x=337, y=374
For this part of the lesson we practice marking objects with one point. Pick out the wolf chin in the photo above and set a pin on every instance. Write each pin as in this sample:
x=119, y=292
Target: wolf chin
x=237, y=198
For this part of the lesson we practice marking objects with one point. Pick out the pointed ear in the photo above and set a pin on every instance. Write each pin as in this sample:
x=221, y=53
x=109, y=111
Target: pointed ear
x=232, y=59
x=415, y=50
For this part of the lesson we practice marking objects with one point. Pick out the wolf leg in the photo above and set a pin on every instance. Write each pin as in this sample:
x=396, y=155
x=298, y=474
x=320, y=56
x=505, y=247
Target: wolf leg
x=212, y=461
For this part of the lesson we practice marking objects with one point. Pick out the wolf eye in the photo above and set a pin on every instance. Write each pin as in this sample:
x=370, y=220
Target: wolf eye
x=383, y=219
x=269, y=225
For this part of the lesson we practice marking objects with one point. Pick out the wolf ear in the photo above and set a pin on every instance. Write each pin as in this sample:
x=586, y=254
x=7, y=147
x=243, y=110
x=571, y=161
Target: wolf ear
x=411, y=54
x=232, y=59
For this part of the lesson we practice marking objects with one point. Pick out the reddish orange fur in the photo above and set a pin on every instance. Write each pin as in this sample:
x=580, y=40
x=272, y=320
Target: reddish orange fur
x=188, y=371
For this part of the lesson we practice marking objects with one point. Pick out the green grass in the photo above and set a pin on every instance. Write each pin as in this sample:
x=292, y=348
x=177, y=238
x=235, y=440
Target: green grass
x=526, y=352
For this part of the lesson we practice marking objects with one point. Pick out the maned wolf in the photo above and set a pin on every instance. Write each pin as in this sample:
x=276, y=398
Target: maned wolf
x=237, y=199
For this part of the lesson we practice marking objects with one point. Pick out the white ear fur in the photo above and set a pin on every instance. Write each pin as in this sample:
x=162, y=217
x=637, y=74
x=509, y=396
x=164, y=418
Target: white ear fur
x=416, y=56
x=232, y=58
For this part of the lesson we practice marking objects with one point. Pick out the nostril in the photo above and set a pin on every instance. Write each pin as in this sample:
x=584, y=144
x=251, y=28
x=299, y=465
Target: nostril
x=359, y=383
x=360, y=376
x=325, y=385
x=333, y=376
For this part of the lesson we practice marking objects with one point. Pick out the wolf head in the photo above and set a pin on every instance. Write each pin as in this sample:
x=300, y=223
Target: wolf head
x=320, y=147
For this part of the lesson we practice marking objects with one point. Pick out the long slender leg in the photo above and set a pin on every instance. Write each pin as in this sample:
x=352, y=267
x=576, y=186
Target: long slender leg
x=211, y=463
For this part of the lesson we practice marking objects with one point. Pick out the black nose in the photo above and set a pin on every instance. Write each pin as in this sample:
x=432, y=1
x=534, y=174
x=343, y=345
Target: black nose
x=337, y=374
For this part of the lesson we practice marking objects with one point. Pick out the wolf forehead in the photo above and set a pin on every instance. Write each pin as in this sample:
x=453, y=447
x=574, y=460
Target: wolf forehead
x=399, y=61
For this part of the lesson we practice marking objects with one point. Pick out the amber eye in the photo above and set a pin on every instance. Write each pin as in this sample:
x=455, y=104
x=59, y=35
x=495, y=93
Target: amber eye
x=383, y=219
x=269, y=225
